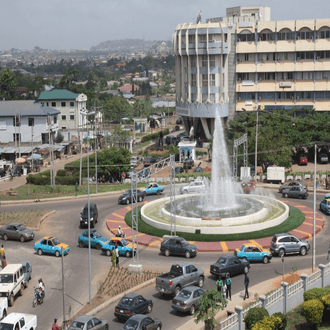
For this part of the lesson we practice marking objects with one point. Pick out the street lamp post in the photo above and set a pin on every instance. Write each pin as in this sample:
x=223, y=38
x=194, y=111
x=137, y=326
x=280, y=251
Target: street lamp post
x=256, y=151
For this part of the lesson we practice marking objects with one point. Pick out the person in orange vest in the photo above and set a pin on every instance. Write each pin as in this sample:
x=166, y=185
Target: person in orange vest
x=2, y=252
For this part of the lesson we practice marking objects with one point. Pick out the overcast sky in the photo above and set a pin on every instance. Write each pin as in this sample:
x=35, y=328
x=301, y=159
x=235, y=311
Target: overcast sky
x=81, y=24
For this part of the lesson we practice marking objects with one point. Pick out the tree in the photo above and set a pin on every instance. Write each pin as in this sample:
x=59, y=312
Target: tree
x=116, y=108
x=8, y=84
x=207, y=308
x=59, y=137
x=120, y=136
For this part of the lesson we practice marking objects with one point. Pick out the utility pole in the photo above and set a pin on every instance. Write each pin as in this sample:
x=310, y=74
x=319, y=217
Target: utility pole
x=50, y=153
x=19, y=135
x=95, y=152
x=32, y=147
x=314, y=208
x=81, y=142
x=15, y=139
x=256, y=151
x=63, y=293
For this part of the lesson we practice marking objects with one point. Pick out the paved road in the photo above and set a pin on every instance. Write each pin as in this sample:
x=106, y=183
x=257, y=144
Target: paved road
x=64, y=224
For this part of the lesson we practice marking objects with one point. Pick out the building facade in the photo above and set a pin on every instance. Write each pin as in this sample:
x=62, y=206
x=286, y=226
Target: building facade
x=238, y=62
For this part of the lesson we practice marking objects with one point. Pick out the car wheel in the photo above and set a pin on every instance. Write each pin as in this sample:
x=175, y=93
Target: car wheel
x=127, y=254
x=244, y=259
x=281, y=253
x=167, y=252
x=5, y=237
x=159, y=327
x=192, y=310
x=81, y=244
x=4, y=314
x=265, y=260
x=98, y=246
x=21, y=290
x=303, y=251
x=11, y=301
x=177, y=290
x=286, y=195
x=185, y=192
x=39, y=252
x=246, y=269
x=108, y=253
x=201, y=281
x=158, y=192
x=300, y=197
x=187, y=254
x=140, y=199
x=127, y=202
x=149, y=309
x=22, y=239
x=57, y=254
x=106, y=327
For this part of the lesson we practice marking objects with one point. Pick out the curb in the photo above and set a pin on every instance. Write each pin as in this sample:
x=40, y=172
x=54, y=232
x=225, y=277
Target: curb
x=119, y=296
x=42, y=219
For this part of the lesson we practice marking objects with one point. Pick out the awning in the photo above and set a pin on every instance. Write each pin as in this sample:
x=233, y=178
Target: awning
x=34, y=156
x=20, y=160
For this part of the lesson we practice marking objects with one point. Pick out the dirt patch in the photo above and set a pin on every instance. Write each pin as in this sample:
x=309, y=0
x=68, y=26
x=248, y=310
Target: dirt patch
x=290, y=278
x=27, y=218
x=116, y=281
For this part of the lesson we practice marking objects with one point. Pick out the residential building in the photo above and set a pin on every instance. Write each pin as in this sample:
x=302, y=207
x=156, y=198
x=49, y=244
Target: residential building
x=238, y=62
x=71, y=105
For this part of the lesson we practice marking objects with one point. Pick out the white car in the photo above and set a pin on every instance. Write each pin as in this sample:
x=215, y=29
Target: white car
x=19, y=321
x=196, y=186
x=135, y=161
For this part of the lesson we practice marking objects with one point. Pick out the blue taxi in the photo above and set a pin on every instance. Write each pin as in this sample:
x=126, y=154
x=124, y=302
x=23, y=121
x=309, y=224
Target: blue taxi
x=96, y=239
x=125, y=248
x=252, y=252
x=325, y=204
x=152, y=188
x=51, y=245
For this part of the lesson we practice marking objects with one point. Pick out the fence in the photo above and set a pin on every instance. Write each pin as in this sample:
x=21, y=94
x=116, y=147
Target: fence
x=282, y=300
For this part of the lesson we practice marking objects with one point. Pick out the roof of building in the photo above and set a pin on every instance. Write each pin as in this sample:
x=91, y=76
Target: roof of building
x=58, y=94
x=25, y=108
x=128, y=87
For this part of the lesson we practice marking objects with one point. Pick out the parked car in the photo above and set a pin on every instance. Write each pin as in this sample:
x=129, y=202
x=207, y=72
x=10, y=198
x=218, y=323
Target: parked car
x=303, y=160
x=89, y=322
x=93, y=213
x=135, y=160
x=231, y=265
x=188, y=163
x=125, y=248
x=178, y=246
x=178, y=170
x=285, y=243
x=248, y=187
x=127, y=196
x=16, y=231
x=51, y=245
x=27, y=272
x=187, y=300
x=253, y=253
x=292, y=184
x=179, y=121
x=19, y=321
x=323, y=158
x=96, y=239
x=153, y=188
x=198, y=169
x=181, y=136
x=159, y=159
x=181, y=275
x=325, y=205
x=142, y=322
x=149, y=161
x=295, y=192
x=3, y=307
x=196, y=186
x=170, y=139
x=131, y=304
x=144, y=173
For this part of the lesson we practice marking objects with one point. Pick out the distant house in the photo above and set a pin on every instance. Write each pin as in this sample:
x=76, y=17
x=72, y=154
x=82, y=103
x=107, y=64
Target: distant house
x=71, y=105
x=128, y=88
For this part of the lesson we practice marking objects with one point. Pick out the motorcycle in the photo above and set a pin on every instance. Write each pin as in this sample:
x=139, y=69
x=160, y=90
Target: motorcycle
x=120, y=235
x=38, y=297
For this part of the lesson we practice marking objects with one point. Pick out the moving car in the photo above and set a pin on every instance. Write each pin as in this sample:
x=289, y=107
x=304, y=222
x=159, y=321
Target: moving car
x=131, y=304
x=127, y=197
x=125, y=248
x=16, y=231
x=187, y=300
x=292, y=184
x=231, y=265
x=87, y=322
x=27, y=272
x=325, y=205
x=96, y=239
x=196, y=186
x=93, y=213
x=138, y=321
x=178, y=246
x=153, y=188
x=285, y=243
x=253, y=253
x=135, y=160
x=149, y=161
x=51, y=245
x=295, y=192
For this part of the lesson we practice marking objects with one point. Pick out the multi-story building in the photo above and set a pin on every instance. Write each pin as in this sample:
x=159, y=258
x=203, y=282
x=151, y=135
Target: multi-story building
x=243, y=60
x=71, y=105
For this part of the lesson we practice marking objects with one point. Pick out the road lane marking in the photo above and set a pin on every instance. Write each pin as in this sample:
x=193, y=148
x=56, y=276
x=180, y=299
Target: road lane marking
x=256, y=243
x=139, y=234
x=155, y=242
x=303, y=232
x=119, y=221
x=128, y=208
x=118, y=215
x=224, y=246
x=310, y=224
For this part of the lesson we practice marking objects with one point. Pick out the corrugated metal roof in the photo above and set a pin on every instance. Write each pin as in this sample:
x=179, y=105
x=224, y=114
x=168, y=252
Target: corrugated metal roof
x=58, y=94
x=25, y=108
x=11, y=150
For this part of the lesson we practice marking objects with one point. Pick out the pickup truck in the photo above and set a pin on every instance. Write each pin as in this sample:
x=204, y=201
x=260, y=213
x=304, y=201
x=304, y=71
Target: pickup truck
x=3, y=307
x=19, y=321
x=182, y=274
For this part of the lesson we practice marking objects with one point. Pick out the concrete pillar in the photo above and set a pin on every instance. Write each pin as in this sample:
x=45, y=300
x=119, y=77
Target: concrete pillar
x=285, y=296
x=322, y=268
x=239, y=311
x=304, y=278
x=263, y=300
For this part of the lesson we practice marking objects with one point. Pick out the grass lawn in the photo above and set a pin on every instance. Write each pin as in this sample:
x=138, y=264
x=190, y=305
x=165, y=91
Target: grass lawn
x=38, y=192
x=295, y=219
x=27, y=218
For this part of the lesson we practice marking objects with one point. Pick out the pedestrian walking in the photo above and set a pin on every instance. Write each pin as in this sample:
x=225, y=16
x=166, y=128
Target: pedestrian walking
x=228, y=283
x=55, y=325
x=161, y=138
x=117, y=255
x=246, y=284
x=3, y=262
x=2, y=252
x=114, y=261
x=224, y=290
x=219, y=284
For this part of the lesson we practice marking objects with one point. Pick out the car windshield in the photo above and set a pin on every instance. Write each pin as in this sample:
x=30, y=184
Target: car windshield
x=184, y=294
x=221, y=260
x=126, y=302
x=124, y=242
x=184, y=242
x=5, y=278
x=56, y=241
x=85, y=211
x=6, y=326
x=131, y=325
x=127, y=192
x=176, y=270
x=241, y=247
x=21, y=227
x=24, y=269
x=76, y=325
x=97, y=234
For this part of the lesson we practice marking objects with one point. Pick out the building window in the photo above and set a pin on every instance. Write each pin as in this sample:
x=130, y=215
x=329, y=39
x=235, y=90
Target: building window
x=266, y=36
x=305, y=35
x=63, y=104
x=191, y=38
x=53, y=104
x=47, y=104
x=16, y=121
x=202, y=38
x=212, y=97
x=17, y=137
x=324, y=35
x=204, y=97
x=204, y=60
x=246, y=37
x=71, y=104
x=55, y=119
x=193, y=97
x=193, y=61
x=63, y=117
x=71, y=117
x=31, y=121
x=285, y=36
x=63, y=127
x=193, y=80
x=212, y=60
x=204, y=80
x=212, y=79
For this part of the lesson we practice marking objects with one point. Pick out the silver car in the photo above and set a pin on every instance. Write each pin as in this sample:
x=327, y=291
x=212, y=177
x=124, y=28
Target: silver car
x=186, y=300
x=86, y=322
x=16, y=231
x=196, y=186
x=285, y=243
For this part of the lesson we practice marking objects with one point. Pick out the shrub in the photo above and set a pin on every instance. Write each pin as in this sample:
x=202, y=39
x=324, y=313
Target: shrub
x=254, y=315
x=61, y=173
x=152, y=136
x=268, y=323
x=67, y=180
x=326, y=301
x=313, y=312
x=316, y=293
x=42, y=178
x=284, y=319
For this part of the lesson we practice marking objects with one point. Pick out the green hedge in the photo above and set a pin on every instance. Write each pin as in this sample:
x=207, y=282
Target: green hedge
x=41, y=178
x=152, y=136
x=316, y=293
x=61, y=173
x=269, y=323
x=254, y=315
x=313, y=312
x=194, y=175
x=67, y=180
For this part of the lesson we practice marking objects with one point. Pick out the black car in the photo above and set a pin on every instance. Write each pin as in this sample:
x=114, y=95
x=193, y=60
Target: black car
x=198, y=169
x=144, y=173
x=181, y=136
x=127, y=197
x=149, y=161
x=141, y=322
x=229, y=265
x=170, y=139
x=178, y=170
x=93, y=213
x=132, y=304
x=179, y=121
x=188, y=163
x=178, y=246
